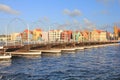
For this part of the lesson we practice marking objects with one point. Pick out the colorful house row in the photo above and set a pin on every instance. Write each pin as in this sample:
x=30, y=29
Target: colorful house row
x=67, y=35
x=62, y=35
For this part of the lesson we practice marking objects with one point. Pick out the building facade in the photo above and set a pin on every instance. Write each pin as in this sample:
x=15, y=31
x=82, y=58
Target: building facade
x=44, y=36
x=66, y=35
x=54, y=35
x=37, y=35
x=95, y=35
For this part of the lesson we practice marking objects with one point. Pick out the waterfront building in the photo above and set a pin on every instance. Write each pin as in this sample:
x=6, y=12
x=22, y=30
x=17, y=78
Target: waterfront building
x=54, y=35
x=85, y=35
x=66, y=35
x=95, y=35
x=26, y=35
x=5, y=37
x=37, y=35
x=116, y=32
x=44, y=36
x=15, y=36
x=77, y=36
x=104, y=35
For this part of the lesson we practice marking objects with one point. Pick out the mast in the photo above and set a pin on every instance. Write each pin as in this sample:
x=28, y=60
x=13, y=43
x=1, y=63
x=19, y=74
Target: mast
x=6, y=34
x=28, y=33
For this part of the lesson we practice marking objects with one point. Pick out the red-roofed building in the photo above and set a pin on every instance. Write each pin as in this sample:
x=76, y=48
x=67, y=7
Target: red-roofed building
x=99, y=35
x=25, y=34
x=86, y=35
x=95, y=35
x=37, y=34
x=66, y=35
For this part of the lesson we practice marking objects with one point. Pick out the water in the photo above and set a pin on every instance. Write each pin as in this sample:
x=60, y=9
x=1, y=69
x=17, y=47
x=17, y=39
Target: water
x=91, y=64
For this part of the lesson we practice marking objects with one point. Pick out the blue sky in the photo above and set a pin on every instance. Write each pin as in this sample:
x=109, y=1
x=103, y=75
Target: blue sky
x=63, y=14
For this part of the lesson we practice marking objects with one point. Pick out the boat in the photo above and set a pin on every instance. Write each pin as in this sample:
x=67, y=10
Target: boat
x=4, y=55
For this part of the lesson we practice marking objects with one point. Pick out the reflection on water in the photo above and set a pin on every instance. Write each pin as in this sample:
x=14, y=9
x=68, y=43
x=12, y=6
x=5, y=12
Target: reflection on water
x=92, y=64
x=5, y=63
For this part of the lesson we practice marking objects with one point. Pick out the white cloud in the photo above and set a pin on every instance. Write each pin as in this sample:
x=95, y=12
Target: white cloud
x=8, y=9
x=73, y=13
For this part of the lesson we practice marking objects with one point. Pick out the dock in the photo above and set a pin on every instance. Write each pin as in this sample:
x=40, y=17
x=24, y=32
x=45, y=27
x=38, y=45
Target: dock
x=68, y=50
x=51, y=52
x=55, y=52
x=4, y=57
x=79, y=48
x=31, y=53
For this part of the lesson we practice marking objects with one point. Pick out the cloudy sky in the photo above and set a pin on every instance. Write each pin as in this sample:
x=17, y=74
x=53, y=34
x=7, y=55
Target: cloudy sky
x=60, y=14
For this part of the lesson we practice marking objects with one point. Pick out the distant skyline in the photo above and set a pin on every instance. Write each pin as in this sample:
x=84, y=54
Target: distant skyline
x=59, y=14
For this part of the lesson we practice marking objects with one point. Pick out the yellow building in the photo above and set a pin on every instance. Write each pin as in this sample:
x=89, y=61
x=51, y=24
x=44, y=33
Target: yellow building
x=15, y=36
x=95, y=35
x=103, y=36
x=37, y=34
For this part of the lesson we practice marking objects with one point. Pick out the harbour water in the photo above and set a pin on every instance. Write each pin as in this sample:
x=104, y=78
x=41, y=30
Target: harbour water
x=91, y=64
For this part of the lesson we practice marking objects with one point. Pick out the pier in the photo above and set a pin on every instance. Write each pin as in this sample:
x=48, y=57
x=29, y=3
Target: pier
x=53, y=48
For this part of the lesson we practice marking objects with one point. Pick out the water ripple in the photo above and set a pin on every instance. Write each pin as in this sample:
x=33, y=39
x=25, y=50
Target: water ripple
x=92, y=64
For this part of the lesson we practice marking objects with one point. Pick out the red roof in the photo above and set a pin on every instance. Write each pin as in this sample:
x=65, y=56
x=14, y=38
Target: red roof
x=38, y=29
x=26, y=31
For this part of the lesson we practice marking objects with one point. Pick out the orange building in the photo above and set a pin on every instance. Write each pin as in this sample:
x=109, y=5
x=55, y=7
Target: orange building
x=86, y=35
x=116, y=32
x=25, y=33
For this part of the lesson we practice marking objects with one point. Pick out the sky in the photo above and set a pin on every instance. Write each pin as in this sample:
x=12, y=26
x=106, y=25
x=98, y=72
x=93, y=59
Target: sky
x=17, y=15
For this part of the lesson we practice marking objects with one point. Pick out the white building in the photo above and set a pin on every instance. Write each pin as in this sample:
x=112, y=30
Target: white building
x=44, y=36
x=54, y=35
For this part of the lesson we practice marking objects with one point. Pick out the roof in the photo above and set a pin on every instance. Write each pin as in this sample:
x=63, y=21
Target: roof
x=26, y=31
x=38, y=29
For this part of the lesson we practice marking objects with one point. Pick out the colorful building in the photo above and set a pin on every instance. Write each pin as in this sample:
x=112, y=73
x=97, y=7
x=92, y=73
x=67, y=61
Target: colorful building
x=54, y=35
x=77, y=36
x=15, y=36
x=37, y=35
x=26, y=35
x=44, y=36
x=5, y=37
x=95, y=35
x=66, y=35
x=103, y=36
x=116, y=32
x=86, y=35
